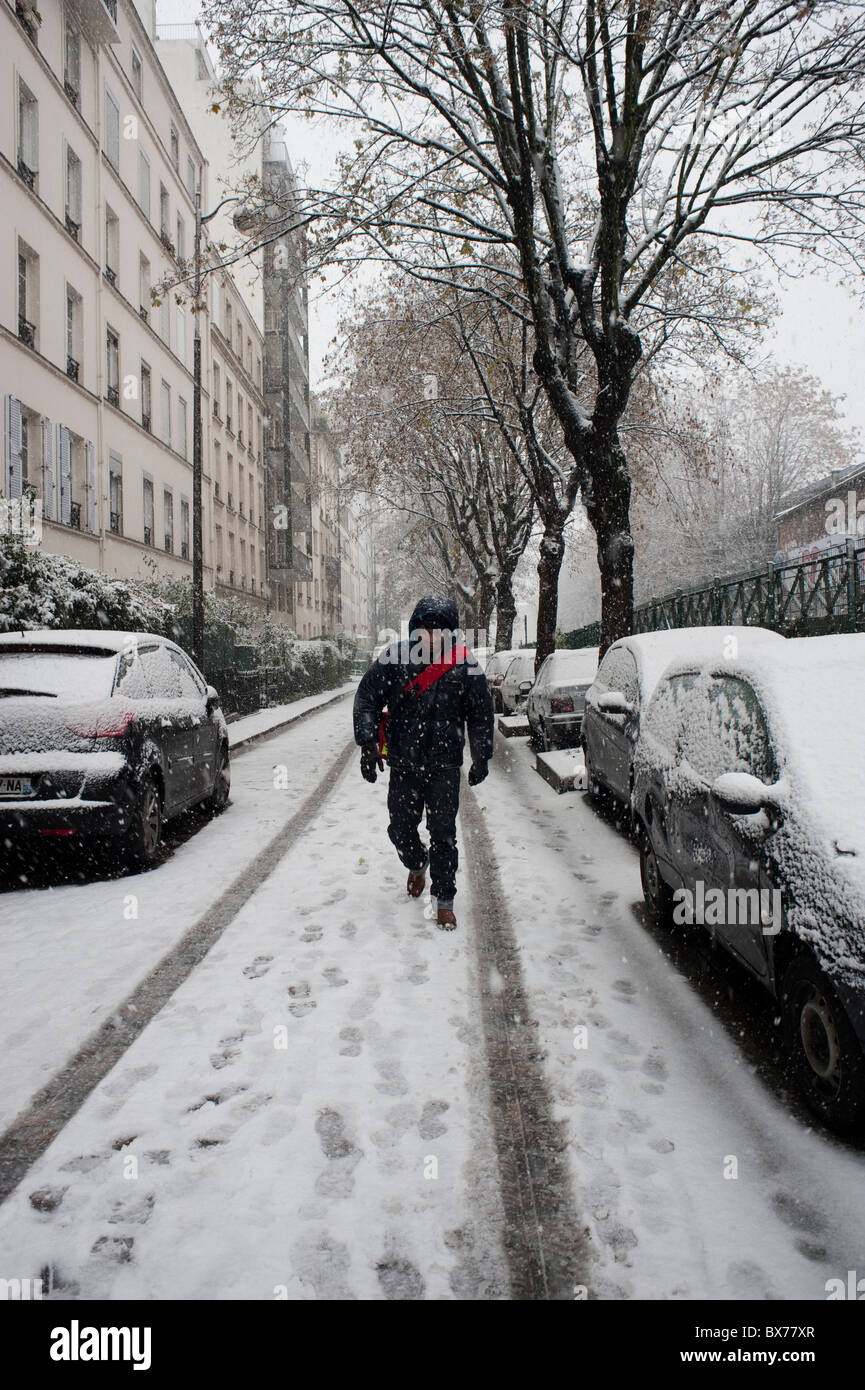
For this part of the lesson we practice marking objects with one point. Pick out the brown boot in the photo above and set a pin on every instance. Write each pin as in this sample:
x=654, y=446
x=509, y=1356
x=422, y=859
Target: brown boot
x=446, y=919
x=416, y=882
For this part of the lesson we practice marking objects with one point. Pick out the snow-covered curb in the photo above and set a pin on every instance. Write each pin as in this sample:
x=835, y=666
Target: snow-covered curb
x=266, y=721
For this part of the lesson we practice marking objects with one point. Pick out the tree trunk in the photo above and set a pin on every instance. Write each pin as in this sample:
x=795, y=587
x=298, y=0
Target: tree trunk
x=506, y=609
x=486, y=604
x=549, y=565
x=610, y=517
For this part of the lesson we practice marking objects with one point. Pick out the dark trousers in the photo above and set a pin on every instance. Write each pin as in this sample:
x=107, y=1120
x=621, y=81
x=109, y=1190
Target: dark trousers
x=408, y=793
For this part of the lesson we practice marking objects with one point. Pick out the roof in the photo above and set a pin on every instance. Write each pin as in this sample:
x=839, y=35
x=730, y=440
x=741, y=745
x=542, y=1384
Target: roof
x=654, y=651
x=109, y=639
x=823, y=487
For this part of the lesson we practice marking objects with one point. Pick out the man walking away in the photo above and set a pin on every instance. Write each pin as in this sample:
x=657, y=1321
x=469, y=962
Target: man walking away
x=432, y=690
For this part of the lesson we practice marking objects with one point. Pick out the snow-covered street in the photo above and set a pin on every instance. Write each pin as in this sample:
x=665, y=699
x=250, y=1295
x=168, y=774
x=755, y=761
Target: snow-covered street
x=320, y=1108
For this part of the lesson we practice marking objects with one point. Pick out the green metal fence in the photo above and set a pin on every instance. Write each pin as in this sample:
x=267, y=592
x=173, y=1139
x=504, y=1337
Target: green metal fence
x=801, y=598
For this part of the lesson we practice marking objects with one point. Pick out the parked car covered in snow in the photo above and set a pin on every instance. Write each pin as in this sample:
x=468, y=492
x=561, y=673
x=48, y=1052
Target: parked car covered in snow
x=617, y=698
x=518, y=681
x=748, y=793
x=557, y=699
x=495, y=669
x=104, y=735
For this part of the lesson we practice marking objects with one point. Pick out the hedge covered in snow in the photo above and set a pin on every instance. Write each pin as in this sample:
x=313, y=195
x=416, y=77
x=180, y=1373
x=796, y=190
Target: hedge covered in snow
x=41, y=590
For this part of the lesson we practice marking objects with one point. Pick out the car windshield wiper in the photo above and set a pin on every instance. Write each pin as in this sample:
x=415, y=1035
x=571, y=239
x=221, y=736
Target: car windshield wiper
x=12, y=690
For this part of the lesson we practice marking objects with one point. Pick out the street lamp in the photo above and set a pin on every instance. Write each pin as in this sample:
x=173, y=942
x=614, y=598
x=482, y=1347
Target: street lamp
x=197, y=522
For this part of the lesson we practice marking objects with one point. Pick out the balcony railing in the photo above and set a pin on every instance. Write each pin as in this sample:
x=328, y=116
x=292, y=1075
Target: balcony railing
x=27, y=332
x=216, y=414
x=148, y=535
x=113, y=395
x=216, y=491
x=72, y=227
x=27, y=174
x=111, y=7
x=145, y=423
x=167, y=243
x=110, y=275
x=72, y=368
x=115, y=522
x=75, y=515
x=228, y=423
x=71, y=91
x=29, y=18
x=184, y=550
x=230, y=503
x=169, y=544
x=142, y=313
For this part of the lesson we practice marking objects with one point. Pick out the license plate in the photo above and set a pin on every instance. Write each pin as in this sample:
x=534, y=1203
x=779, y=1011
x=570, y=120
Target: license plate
x=16, y=786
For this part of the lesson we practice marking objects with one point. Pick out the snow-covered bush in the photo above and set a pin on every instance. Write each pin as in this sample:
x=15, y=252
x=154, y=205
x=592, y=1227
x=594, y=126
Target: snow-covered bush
x=41, y=590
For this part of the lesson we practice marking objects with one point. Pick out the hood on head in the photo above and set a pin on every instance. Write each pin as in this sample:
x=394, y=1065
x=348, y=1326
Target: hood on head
x=434, y=612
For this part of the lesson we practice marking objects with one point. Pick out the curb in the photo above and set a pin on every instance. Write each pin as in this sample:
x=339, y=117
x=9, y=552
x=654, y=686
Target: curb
x=283, y=724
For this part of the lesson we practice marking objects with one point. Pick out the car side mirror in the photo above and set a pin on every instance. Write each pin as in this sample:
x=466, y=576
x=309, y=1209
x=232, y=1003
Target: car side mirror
x=212, y=699
x=525, y=687
x=612, y=702
x=742, y=795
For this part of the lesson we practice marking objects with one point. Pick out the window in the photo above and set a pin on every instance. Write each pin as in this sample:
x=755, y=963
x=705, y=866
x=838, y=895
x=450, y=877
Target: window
x=112, y=343
x=73, y=333
x=190, y=177
x=137, y=72
x=148, y=510
x=175, y=146
x=165, y=320
x=144, y=183
x=181, y=239
x=165, y=410
x=146, y=396
x=239, y=417
x=168, y=518
x=217, y=470
x=728, y=733
x=181, y=427
x=72, y=61
x=228, y=321
x=668, y=711
x=28, y=135
x=618, y=671
x=216, y=395
x=181, y=333
x=73, y=193
x=228, y=405
x=184, y=528
x=112, y=130
x=112, y=244
x=28, y=295
x=115, y=494
x=144, y=287
x=164, y=214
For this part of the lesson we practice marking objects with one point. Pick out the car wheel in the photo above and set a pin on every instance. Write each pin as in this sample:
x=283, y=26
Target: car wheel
x=145, y=831
x=657, y=893
x=826, y=1054
x=218, y=799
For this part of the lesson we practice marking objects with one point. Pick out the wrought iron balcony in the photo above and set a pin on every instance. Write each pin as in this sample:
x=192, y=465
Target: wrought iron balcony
x=148, y=535
x=113, y=395
x=145, y=423
x=184, y=550
x=27, y=174
x=72, y=227
x=142, y=313
x=71, y=91
x=115, y=521
x=75, y=515
x=72, y=368
x=27, y=332
x=110, y=275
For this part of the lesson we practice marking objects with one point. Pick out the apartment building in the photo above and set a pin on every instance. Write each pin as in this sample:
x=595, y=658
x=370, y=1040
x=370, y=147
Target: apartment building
x=332, y=602
x=100, y=169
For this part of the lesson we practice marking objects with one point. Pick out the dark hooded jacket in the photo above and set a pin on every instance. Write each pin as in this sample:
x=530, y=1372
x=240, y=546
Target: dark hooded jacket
x=426, y=732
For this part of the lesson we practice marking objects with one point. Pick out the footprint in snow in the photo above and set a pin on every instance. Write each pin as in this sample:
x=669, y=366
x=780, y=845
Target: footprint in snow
x=117, y=1249
x=312, y=934
x=138, y=1211
x=366, y=1003
x=400, y=1280
x=85, y=1164
x=430, y=1126
x=259, y=967
x=218, y=1060
x=299, y=991
x=302, y=1007
x=348, y=930
x=353, y=1039
x=393, y=1083
x=334, y=977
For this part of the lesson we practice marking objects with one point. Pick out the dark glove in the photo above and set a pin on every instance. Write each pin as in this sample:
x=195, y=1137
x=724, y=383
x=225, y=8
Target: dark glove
x=369, y=758
x=477, y=772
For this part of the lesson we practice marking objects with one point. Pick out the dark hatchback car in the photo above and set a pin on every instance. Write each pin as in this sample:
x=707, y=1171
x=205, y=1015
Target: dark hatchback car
x=748, y=798
x=103, y=736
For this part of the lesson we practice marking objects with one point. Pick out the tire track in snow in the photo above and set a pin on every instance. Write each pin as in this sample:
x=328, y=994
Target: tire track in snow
x=547, y=1250
x=36, y=1127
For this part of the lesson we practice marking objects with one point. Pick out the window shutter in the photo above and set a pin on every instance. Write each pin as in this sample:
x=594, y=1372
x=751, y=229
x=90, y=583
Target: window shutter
x=112, y=132
x=49, y=481
x=64, y=466
x=14, y=446
x=90, y=460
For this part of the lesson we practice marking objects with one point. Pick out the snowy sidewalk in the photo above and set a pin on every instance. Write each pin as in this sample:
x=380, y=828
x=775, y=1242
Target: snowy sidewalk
x=305, y=1117
x=252, y=726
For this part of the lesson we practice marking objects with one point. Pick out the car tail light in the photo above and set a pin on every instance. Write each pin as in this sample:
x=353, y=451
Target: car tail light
x=60, y=830
x=561, y=704
x=103, y=723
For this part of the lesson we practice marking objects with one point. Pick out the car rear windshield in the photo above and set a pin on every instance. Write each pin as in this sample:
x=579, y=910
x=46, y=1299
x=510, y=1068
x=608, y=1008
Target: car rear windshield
x=68, y=675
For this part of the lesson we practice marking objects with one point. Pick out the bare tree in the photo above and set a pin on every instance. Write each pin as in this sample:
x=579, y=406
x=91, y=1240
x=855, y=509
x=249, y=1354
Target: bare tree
x=613, y=157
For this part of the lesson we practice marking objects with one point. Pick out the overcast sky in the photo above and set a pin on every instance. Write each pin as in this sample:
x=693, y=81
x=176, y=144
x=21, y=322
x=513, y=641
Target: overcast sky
x=821, y=327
